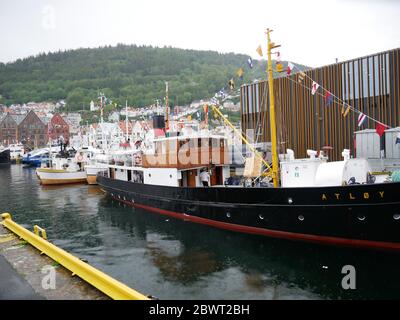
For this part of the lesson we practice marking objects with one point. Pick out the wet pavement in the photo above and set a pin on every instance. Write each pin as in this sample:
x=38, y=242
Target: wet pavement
x=25, y=274
x=13, y=286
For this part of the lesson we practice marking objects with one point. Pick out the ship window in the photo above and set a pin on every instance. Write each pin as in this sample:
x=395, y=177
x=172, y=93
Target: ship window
x=261, y=216
x=396, y=216
x=149, y=174
x=228, y=214
x=301, y=217
x=170, y=176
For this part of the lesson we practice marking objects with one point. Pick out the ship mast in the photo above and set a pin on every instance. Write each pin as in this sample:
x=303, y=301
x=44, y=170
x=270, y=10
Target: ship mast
x=275, y=164
x=166, y=108
x=126, y=121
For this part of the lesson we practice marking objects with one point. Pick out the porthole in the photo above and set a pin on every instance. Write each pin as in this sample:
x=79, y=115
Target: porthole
x=149, y=174
x=300, y=217
x=228, y=214
x=396, y=216
x=261, y=216
x=361, y=217
x=170, y=176
x=290, y=201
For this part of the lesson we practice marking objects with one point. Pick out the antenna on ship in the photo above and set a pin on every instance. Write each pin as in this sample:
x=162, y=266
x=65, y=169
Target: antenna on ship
x=275, y=164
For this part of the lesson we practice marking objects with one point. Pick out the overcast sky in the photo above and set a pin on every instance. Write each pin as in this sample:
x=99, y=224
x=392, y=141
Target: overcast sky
x=310, y=32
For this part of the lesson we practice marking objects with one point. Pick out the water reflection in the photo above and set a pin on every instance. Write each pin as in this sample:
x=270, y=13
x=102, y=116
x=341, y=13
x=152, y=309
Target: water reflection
x=174, y=259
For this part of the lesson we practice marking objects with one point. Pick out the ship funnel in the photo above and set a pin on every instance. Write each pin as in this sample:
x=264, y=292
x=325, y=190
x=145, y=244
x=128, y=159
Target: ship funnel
x=158, y=122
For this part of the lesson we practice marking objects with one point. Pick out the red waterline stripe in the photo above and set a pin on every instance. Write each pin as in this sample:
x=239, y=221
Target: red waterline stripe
x=271, y=233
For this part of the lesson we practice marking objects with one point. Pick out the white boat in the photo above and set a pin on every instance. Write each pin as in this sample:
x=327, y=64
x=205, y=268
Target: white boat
x=16, y=152
x=98, y=163
x=64, y=170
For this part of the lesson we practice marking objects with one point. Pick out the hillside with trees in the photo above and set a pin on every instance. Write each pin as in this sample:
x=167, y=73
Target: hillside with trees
x=133, y=73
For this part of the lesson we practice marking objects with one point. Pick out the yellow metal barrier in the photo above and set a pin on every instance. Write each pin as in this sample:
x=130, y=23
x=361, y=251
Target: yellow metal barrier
x=111, y=287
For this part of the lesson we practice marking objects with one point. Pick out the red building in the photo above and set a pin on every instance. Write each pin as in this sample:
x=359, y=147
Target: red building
x=58, y=127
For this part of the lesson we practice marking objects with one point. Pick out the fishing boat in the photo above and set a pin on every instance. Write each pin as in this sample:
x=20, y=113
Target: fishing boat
x=16, y=152
x=64, y=168
x=39, y=157
x=312, y=200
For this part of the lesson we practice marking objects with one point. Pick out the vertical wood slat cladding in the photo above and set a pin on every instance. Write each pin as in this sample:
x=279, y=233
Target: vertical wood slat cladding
x=369, y=84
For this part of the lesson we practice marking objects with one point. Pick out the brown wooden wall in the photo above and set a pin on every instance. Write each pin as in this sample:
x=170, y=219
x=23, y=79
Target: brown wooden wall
x=369, y=84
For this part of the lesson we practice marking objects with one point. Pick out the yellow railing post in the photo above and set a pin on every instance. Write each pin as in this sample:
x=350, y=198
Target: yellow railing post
x=37, y=230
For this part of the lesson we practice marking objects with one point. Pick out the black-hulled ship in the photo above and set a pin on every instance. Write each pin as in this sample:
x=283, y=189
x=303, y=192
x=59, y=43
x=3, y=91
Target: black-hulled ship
x=335, y=203
x=5, y=156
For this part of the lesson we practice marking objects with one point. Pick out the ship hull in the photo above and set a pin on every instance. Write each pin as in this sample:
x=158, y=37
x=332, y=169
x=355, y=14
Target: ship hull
x=56, y=177
x=92, y=171
x=5, y=157
x=364, y=216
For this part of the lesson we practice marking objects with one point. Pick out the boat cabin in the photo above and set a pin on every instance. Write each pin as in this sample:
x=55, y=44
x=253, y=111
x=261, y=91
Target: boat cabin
x=178, y=162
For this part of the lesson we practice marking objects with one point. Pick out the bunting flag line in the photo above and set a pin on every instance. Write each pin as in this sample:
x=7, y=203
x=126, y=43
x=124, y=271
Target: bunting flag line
x=380, y=128
x=361, y=119
x=250, y=62
x=345, y=110
x=259, y=51
x=314, y=87
x=328, y=98
x=240, y=73
x=290, y=67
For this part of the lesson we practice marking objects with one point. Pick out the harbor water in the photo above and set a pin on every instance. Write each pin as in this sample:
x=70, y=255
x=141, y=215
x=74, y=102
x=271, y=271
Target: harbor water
x=172, y=259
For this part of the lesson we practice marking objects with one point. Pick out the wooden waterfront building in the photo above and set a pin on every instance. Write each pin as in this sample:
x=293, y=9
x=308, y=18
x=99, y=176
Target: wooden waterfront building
x=32, y=131
x=9, y=128
x=58, y=127
x=370, y=84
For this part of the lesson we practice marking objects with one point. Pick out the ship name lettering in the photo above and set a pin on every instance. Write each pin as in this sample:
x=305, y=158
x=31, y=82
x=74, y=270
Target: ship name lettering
x=351, y=196
x=337, y=195
x=324, y=197
x=381, y=193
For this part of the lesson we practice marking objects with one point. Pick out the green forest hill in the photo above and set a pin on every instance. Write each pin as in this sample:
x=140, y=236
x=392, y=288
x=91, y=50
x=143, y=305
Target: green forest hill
x=133, y=73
